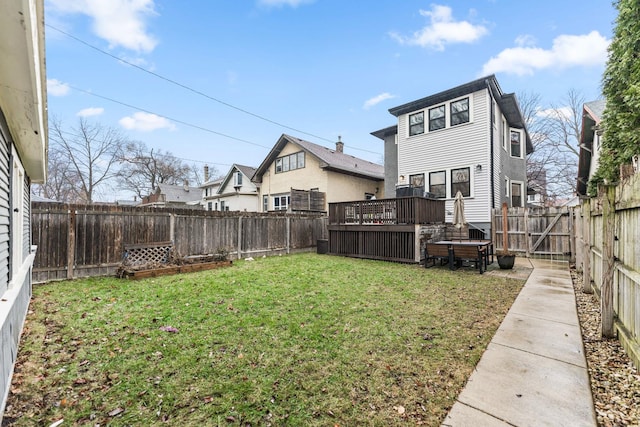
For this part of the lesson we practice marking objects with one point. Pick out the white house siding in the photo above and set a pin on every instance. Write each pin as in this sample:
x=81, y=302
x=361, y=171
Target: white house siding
x=465, y=145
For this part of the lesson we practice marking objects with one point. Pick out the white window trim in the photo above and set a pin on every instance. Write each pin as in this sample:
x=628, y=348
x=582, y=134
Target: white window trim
x=523, y=191
x=505, y=131
x=447, y=116
x=448, y=181
x=17, y=221
x=521, y=143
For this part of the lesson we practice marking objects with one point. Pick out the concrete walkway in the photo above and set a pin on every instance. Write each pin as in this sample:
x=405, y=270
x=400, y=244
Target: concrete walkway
x=534, y=371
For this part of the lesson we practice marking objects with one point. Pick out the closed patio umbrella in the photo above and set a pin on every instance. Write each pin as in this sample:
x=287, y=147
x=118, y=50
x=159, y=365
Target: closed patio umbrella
x=458, y=211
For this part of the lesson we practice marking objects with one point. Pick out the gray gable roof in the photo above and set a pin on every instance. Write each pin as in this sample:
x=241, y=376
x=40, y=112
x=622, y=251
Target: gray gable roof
x=596, y=109
x=247, y=171
x=329, y=159
x=507, y=101
x=178, y=194
x=591, y=117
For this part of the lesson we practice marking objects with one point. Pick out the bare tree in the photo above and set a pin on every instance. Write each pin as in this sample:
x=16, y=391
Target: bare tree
x=555, y=133
x=92, y=152
x=143, y=169
x=60, y=178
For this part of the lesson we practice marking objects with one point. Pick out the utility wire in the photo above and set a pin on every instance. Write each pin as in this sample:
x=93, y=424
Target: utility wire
x=196, y=91
x=169, y=118
x=226, y=104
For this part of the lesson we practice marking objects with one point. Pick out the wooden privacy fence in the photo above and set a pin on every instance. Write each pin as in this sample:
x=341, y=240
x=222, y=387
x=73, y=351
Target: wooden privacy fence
x=88, y=240
x=535, y=232
x=608, y=254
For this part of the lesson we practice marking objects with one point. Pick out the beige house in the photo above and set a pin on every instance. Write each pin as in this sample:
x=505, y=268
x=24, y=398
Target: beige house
x=296, y=164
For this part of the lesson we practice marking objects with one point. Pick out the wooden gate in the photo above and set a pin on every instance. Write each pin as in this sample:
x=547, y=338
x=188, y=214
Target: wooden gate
x=536, y=232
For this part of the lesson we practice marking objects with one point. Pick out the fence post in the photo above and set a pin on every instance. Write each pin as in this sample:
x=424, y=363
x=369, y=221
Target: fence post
x=172, y=227
x=608, y=261
x=239, y=242
x=71, y=244
x=586, y=251
x=572, y=237
x=288, y=233
x=527, y=234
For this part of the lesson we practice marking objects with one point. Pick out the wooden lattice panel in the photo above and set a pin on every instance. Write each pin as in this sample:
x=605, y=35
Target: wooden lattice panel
x=152, y=254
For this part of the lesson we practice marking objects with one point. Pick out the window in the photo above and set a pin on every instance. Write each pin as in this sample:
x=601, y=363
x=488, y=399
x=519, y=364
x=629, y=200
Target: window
x=222, y=207
x=416, y=123
x=436, y=118
x=516, y=194
x=460, y=181
x=505, y=132
x=417, y=183
x=237, y=179
x=209, y=206
x=265, y=203
x=438, y=184
x=459, y=111
x=281, y=203
x=369, y=196
x=291, y=162
x=516, y=144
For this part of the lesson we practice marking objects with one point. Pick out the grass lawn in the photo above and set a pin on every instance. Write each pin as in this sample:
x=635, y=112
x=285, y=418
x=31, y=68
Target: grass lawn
x=300, y=340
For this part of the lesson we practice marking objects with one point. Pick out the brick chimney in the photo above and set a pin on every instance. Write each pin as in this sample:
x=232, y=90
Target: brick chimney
x=206, y=173
x=339, y=145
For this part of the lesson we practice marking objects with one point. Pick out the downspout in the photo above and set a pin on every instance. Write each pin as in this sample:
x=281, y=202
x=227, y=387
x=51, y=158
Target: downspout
x=491, y=160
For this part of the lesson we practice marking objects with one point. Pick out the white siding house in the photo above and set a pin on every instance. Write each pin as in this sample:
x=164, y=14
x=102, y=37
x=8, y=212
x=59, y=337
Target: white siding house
x=23, y=161
x=234, y=192
x=470, y=138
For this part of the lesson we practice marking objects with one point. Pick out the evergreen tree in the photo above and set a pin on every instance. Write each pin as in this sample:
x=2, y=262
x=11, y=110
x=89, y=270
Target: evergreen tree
x=621, y=88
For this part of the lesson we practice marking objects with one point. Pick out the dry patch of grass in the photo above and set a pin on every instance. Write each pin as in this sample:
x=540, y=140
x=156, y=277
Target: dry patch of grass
x=296, y=340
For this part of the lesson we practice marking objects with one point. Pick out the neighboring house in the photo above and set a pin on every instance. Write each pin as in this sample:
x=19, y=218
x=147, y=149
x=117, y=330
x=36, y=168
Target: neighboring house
x=537, y=188
x=234, y=192
x=174, y=196
x=470, y=138
x=296, y=164
x=590, y=143
x=23, y=161
x=209, y=193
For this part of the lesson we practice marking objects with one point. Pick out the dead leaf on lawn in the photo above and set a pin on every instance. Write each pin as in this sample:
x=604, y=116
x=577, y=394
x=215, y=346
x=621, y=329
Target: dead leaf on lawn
x=116, y=412
x=400, y=409
x=169, y=329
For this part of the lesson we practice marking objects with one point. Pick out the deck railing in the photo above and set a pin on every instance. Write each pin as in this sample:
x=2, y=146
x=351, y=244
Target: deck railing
x=403, y=210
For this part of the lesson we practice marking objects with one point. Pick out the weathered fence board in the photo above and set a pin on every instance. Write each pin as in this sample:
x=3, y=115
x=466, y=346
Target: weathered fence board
x=612, y=257
x=539, y=232
x=80, y=241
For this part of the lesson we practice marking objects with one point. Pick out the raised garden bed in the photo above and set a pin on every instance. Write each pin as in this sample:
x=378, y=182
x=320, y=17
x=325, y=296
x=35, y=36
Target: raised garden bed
x=163, y=270
x=142, y=261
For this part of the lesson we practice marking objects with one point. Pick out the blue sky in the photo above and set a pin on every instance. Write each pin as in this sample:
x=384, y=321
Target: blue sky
x=229, y=74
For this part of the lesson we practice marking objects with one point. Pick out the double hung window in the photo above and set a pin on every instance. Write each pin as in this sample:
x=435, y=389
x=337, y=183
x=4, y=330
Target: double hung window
x=438, y=184
x=437, y=118
x=416, y=123
x=460, y=111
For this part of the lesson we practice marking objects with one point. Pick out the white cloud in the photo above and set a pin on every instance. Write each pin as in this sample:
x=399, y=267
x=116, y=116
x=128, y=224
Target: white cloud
x=56, y=88
x=280, y=3
x=91, y=111
x=376, y=100
x=146, y=122
x=442, y=30
x=120, y=22
x=567, y=51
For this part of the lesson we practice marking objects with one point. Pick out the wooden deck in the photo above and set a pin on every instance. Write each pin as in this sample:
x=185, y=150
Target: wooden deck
x=385, y=229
